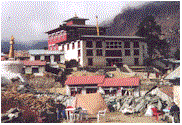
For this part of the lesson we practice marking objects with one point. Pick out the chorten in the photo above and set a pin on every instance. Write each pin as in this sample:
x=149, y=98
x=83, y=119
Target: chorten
x=11, y=50
x=11, y=69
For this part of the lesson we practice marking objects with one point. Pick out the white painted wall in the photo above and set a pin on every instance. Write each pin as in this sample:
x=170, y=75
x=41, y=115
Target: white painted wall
x=28, y=70
x=41, y=69
x=68, y=92
x=72, y=53
x=101, y=60
x=42, y=57
x=32, y=58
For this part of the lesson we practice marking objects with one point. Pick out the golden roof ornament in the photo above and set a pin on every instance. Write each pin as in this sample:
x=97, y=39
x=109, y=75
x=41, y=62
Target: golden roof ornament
x=12, y=38
x=11, y=50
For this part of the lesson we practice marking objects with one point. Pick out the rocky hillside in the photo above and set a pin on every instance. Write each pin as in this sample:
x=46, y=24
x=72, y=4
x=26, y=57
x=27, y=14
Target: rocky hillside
x=166, y=14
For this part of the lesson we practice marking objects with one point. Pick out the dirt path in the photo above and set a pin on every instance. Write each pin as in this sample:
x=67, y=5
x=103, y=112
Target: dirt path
x=117, y=117
x=121, y=118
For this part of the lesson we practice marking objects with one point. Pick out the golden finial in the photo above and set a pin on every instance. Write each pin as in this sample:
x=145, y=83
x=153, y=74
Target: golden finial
x=12, y=38
x=97, y=25
x=76, y=15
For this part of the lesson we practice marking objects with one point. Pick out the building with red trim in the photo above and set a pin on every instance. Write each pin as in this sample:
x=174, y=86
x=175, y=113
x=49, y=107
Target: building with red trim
x=81, y=42
x=108, y=86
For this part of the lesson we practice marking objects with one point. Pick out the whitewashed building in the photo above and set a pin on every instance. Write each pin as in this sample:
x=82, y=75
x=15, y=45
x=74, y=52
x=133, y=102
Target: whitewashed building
x=51, y=57
x=81, y=42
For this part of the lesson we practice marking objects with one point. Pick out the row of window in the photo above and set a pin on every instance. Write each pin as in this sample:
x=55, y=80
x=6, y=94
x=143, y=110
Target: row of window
x=115, y=53
x=47, y=58
x=89, y=44
x=57, y=35
x=111, y=62
x=72, y=44
x=113, y=45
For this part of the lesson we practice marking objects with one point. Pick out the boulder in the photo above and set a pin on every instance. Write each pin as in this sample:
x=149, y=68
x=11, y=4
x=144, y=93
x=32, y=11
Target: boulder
x=13, y=110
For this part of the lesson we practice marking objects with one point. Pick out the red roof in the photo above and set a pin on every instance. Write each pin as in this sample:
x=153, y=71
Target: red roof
x=34, y=63
x=83, y=80
x=120, y=82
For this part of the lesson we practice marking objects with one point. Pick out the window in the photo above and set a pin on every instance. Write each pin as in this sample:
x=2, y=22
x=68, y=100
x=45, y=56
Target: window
x=136, y=52
x=79, y=53
x=99, y=52
x=47, y=58
x=37, y=57
x=89, y=44
x=136, y=45
x=90, y=61
x=99, y=44
x=136, y=61
x=89, y=52
x=68, y=47
x=78, y=44
x=35, y=70
x=113, y=53
x=73, y=46
x=62, y=47
x=56, y=58
x=126, y=44
x=127, y=52
x=91, y=90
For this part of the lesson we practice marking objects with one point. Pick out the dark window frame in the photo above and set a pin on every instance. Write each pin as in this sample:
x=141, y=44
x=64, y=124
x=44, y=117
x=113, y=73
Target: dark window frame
x=68, y=46
x=47, y=58
x=78, y=44
x=136, y=45
x=89, y=44
x=89, y=53
x=90, y=63
x=111, y=53
x=79, y=53
x=73, y=45
x=62, y=47
x=37, y=56
x=99, y=52
x=136, y=52
x=98, y=44
x=126, y=45
x=56, y=58
x=126, y=54
x=33, y=71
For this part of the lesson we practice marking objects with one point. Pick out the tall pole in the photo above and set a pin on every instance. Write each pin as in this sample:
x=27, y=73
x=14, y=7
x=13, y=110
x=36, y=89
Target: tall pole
x=97, y=25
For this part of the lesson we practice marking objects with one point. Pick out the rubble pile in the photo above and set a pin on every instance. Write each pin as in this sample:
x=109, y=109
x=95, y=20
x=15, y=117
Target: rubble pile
x=24, y=99
x=11, y=115
x=131, y=104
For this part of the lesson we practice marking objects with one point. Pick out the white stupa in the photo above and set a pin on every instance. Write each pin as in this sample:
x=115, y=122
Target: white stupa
x=11, y=69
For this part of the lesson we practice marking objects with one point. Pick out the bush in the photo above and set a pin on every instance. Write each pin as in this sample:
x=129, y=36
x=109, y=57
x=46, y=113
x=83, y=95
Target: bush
x=71, y=63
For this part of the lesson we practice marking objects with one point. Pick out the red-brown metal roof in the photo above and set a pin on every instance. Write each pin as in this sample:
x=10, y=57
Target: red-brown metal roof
x=85, y=80
x=109, y=82
x=34, y=63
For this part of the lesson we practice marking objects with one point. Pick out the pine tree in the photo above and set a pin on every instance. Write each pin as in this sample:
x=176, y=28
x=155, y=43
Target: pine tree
x=149, y=29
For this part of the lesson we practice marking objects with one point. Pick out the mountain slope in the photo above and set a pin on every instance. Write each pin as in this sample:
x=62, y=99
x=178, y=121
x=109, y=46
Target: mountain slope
x=38, y=44
x=166, y=14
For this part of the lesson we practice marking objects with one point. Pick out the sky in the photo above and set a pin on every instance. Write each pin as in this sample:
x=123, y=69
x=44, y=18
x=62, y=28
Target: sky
x=29, y=20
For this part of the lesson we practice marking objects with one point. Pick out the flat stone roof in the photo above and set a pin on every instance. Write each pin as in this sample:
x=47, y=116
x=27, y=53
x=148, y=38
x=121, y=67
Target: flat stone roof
x=118, y=37
x=45, y=52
